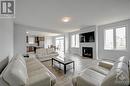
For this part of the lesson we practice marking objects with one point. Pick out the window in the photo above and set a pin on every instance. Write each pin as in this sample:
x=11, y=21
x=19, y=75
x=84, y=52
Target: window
x=121, y=38
x=115, y=39
x=75, y=40
x=31, y=40
x=109, y=39
x=60, y=43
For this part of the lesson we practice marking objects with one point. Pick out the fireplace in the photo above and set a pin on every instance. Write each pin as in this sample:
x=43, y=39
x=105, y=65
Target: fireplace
x=87, y=52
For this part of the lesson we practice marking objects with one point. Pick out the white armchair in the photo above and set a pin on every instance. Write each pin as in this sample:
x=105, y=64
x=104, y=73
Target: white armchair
x=104, y=74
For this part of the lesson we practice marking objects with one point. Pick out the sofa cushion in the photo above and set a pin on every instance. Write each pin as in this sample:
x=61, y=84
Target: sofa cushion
x=54, y=54
x=16, y=73
x=99, y=69
x=41, y=52
x=90, y=78
x=44, y=51
x=44, y=59
x=39, y=55
x=3, y=63
x=33, y=65
x=50, y=50
x=39, y=78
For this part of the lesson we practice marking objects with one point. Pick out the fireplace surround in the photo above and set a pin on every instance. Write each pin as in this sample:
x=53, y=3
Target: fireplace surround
x=87, y=52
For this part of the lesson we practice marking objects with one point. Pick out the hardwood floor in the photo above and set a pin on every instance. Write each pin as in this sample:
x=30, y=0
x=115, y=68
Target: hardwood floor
x=81, y=63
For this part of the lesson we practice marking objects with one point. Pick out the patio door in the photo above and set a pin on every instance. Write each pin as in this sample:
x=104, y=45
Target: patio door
x=60, y=44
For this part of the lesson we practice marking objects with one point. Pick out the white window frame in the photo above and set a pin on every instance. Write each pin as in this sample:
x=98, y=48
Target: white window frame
x=31, y=40
x=114, y=37
x=75, y=41
x=105, y=38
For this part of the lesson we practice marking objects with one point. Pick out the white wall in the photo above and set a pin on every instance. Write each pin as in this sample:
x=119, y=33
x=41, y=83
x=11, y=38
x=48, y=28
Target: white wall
x=19, y=39
x=112, y=54
x=6, y=38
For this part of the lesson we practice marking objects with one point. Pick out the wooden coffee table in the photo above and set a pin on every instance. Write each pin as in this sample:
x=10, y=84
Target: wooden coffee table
x=64, y=61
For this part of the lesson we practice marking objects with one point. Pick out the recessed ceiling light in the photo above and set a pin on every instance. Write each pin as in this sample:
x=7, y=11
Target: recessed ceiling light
x=66, y=19
x=27, y=32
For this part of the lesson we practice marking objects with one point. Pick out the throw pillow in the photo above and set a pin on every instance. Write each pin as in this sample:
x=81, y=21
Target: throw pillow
x=15, y=74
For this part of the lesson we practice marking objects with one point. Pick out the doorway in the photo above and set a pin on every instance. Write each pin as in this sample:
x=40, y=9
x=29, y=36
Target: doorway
x=60, y=44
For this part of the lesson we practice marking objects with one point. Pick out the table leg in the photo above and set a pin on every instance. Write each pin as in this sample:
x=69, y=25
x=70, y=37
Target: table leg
x=52, y=61
x=73, y=65
x=64, y=69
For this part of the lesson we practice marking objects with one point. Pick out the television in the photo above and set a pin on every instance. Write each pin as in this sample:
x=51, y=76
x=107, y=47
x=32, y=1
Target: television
x=87, y=37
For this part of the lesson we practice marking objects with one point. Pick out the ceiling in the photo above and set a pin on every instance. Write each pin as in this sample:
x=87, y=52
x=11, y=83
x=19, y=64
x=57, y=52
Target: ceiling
x=47, y=14
x=39, y=33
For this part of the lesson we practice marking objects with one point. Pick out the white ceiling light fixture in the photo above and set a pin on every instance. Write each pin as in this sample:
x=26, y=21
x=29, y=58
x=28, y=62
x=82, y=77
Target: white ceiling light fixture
x=66, y=19
x=27, y=32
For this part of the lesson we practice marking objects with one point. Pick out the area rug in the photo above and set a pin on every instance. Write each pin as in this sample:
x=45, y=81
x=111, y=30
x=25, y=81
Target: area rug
x=81, y=63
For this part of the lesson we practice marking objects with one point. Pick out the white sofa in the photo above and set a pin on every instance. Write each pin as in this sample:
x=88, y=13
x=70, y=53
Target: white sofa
x=44, y=54
x=104, y=74
x=29, y=72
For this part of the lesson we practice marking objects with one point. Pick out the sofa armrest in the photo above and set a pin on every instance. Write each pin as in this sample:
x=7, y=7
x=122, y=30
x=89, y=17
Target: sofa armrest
x=106, y=64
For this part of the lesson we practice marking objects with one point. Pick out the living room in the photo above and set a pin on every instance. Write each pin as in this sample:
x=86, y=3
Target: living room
x=66, y=43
